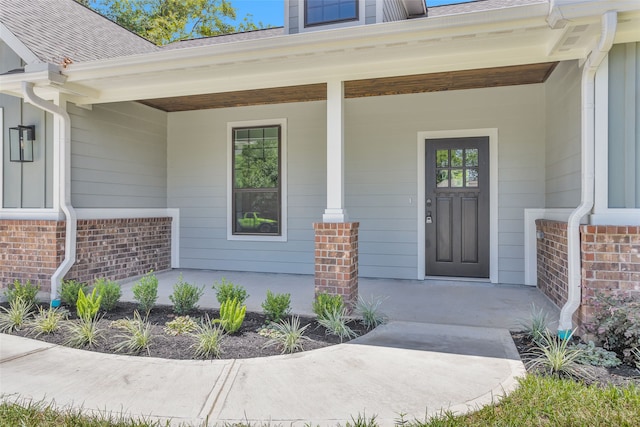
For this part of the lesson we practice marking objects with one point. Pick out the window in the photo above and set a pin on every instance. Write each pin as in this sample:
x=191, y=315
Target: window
x=318, y=12
x=256, y=190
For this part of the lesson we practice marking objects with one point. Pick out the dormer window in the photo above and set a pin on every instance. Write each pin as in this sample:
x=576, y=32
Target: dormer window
x=320, y=12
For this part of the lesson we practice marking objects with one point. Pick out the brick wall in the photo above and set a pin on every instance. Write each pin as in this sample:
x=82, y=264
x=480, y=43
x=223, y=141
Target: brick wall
x=552, y=260
x=336, y=259
x=121, y=248
x=30, y=250
x=610, y=264
x=112, y=248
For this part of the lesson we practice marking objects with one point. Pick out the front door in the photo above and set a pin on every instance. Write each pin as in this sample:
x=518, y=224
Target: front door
x=457, y=207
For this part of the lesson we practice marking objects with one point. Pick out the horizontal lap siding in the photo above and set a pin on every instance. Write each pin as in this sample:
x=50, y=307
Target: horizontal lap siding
x=381, y=169
x=562, y=93
x=197, y=185
x=118, y=156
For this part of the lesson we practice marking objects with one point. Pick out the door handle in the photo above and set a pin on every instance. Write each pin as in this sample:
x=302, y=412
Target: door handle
x=429, y=219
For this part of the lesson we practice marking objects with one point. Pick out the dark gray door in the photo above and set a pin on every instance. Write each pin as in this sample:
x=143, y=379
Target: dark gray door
x=457, y=207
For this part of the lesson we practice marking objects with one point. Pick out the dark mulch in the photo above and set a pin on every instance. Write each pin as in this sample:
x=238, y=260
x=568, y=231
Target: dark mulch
x=619, y=376
x=246, y=343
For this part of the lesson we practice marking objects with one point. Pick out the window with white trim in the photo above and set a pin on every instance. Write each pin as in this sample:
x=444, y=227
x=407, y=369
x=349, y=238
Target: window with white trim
x=257, y=188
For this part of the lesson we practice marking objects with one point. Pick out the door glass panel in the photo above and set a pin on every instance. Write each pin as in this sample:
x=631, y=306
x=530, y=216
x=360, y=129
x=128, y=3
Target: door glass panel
x=471, y=157
x=442, y=158
x=456, y=178
x=456, y=157
x=442, y=178
x=471, y=178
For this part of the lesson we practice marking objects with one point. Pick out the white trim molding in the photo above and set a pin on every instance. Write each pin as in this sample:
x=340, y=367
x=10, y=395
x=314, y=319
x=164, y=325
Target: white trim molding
x=283, y=180
x=492, y=133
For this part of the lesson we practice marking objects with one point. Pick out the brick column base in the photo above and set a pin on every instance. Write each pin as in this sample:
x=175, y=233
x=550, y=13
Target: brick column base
x=336, y=254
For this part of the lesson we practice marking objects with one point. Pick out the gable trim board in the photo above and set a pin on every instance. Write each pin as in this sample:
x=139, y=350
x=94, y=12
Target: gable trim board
x=492, y=134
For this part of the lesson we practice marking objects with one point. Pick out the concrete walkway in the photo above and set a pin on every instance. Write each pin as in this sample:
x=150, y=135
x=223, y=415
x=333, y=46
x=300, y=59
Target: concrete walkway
x=409, y=366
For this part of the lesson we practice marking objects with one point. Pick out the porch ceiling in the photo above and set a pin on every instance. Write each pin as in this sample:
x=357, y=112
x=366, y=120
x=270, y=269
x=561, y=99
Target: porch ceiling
x=419, y=83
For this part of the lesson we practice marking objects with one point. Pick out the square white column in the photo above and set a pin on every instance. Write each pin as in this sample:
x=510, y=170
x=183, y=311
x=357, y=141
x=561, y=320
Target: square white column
x=335, y=211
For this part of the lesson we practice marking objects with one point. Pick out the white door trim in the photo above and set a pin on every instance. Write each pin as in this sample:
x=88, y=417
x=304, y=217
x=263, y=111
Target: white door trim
x=492, y=133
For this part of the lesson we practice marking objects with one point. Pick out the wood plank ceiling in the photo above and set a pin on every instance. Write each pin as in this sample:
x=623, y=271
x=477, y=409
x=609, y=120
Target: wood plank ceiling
x=419, y=83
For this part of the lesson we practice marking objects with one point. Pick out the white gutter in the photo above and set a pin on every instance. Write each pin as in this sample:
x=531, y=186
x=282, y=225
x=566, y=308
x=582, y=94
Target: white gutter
x=609, y=22
x=65, y=198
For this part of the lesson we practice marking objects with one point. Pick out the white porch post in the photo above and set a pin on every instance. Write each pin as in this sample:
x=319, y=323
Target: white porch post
x=335, y=211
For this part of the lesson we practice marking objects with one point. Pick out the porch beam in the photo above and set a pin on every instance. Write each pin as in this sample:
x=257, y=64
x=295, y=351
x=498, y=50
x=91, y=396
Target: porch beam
x=335, y=211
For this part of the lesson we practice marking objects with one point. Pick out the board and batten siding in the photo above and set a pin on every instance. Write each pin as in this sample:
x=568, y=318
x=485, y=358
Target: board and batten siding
x=563, y=136
x=624, y=126
x=118, y=156
x=197, y=185
x=393, y=10
x=381, y=169
x=25, y=185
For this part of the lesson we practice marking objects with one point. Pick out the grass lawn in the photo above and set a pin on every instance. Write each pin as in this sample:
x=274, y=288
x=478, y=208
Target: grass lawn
x=539, y=401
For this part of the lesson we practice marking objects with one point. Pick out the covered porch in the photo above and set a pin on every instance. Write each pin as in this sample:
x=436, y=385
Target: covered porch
x=445, y=302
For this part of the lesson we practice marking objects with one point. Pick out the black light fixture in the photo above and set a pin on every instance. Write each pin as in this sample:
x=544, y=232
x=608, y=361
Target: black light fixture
x=21, y=143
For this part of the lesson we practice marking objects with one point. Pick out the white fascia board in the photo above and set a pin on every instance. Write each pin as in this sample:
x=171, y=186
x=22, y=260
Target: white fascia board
x=319, y=41
x=17, y=46
x=563, y=11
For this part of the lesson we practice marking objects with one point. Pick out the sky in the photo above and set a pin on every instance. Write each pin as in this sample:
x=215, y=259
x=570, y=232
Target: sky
x=271, y=12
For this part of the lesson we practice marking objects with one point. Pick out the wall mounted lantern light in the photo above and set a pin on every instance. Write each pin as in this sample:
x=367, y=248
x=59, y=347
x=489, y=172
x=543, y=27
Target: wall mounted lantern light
x=21, y=143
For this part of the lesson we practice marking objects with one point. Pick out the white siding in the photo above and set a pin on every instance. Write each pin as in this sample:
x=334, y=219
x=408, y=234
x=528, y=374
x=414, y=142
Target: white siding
x=294, y=15
x=393, y=10
x=118, y=156
x=562, y=100
x=381, y=169
x=197, y=184
x=370, y=12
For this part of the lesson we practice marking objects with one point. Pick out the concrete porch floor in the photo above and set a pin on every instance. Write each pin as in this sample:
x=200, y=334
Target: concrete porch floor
x=448, y=302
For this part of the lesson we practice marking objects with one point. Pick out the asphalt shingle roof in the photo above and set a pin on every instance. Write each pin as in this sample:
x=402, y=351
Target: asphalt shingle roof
x=58, y=29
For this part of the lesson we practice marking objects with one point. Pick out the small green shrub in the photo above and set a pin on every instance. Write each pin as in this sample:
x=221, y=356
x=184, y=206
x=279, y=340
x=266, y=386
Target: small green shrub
x=180, y=325
x=14, y=317
x=276, y=306
x=231, y=315
x=617, y=323
x=226, y=291
x=288, y=334
x=555, y=357
x=87, y=306
x=110, y=293
x=25, y=291
x=635, y=352
x=185, y=296
x=536, y=325
x=84, y=332
x=209, y=339
x=47, y=321
x=370, y=312
x=137, y=337
x=325, y=303
x=595, y=356
x=69, y=292
x=335, y=322
x=145, y=291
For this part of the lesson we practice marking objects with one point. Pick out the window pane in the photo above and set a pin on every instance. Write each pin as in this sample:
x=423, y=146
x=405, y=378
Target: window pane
x=442, y=158
x=472, y=177
x=471, y=157
x=456, y=178
x=456, y=157
x=321, y=11
x=442, y=178
x=256, y=160
x=256, y=212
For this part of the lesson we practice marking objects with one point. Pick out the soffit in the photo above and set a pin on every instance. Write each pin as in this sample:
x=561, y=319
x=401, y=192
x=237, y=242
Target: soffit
x=397, y=85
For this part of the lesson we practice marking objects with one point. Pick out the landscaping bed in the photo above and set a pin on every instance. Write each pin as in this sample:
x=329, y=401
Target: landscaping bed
x=246, y=343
